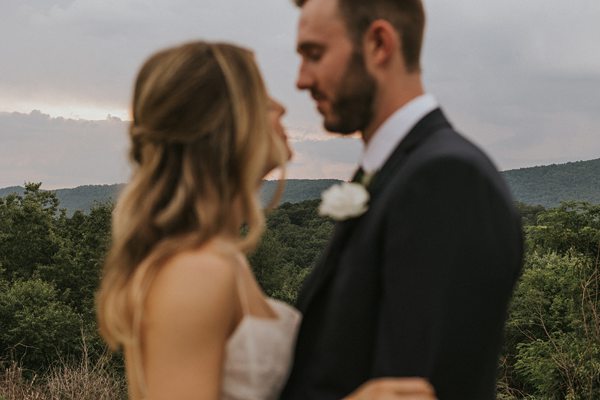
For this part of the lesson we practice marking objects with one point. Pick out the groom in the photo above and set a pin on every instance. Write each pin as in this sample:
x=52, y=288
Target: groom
x=419, y=284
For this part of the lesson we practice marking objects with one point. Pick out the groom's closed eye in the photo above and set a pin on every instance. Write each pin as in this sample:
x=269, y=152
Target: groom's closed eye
x=311, y=51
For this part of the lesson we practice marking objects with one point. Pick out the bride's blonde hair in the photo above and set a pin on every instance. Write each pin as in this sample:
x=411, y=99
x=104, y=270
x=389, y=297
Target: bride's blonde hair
x=201, y=142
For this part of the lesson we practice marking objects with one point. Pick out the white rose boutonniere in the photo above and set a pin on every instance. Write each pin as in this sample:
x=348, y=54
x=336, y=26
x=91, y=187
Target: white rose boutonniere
x=344, y=201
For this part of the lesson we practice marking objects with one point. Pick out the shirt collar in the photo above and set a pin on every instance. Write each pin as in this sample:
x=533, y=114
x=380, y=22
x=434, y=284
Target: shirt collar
x=393, y=130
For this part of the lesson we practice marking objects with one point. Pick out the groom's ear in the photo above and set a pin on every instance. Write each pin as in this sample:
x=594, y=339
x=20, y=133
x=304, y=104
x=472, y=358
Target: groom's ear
x=381, y=44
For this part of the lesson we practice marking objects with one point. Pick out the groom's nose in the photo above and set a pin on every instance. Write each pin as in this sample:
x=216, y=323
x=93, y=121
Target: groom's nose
x=305, y=79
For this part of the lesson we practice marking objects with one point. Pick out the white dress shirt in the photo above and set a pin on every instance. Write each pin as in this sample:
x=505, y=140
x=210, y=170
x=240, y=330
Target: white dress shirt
x=393, y=130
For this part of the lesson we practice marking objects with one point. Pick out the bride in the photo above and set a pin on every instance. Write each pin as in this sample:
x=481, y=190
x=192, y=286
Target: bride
x=177, y=294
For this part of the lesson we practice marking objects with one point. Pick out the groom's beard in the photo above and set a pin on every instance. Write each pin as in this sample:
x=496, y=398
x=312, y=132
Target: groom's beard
x=352, y=107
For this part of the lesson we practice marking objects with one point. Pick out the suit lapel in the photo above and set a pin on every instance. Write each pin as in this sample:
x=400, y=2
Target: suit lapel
x=331, y=256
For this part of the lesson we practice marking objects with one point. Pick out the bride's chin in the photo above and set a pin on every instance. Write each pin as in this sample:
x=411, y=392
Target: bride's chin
x=266, y=175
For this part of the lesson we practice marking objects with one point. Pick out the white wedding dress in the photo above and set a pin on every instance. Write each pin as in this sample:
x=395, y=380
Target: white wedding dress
x=259, y=353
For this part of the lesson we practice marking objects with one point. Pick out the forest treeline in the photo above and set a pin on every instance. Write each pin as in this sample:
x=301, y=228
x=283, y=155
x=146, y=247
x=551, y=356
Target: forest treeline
x=84, y=198
x=50, y=265
x=547, y=185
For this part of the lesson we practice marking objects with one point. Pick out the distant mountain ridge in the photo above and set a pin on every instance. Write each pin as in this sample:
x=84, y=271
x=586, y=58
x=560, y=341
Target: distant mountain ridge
x=549, y=185
x=84, y=197
x=544, y=185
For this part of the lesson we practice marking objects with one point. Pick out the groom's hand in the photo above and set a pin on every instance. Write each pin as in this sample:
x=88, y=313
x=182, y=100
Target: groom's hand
x=394, y=389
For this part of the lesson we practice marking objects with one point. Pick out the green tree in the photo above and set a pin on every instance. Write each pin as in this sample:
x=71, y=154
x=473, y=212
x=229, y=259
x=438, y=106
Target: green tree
x=529, y=213
x=76, y=266
x=555, y=321
x=295, y=237
x=573, y=225
x=28, y=237
x=37, y=327
x=552, y=347
x=56, y=260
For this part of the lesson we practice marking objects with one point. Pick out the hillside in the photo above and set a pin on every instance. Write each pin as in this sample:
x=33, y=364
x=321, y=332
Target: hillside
x=84, y=197
x=296, y=190
x=549, y=185
x=79, y=198
x=11, y=189
x=545, y=185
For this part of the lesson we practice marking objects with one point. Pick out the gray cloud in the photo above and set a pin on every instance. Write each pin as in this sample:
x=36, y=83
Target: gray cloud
x=333, y=157
x=520, y=78
x=88, y=51
x=61, y=152
x=64, y=152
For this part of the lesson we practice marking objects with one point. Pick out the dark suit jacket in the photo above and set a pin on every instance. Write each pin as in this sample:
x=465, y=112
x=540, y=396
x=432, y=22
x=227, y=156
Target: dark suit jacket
x=419, y=284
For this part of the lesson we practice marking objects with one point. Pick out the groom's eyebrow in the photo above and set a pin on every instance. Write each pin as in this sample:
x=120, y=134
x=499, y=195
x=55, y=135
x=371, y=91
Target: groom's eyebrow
x=306, y=47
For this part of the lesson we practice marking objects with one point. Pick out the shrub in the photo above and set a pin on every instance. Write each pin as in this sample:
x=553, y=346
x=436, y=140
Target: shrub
x=37, y=328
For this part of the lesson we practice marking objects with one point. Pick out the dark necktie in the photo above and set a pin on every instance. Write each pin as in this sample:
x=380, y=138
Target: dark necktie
x=362, y=177
x=358, y=176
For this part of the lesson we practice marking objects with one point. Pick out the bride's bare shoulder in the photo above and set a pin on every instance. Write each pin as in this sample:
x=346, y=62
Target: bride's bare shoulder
x=195, y=282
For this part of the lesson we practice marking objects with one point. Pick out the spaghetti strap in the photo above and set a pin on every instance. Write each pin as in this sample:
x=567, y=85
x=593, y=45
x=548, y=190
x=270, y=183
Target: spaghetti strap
x=242, y=292
x=230, y=250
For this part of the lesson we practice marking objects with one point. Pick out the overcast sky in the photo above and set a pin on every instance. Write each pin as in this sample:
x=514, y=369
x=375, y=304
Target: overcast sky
x=520, y=78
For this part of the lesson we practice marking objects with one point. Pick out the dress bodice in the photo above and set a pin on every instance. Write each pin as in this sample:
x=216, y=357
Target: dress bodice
x=259, y=354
